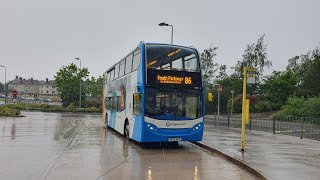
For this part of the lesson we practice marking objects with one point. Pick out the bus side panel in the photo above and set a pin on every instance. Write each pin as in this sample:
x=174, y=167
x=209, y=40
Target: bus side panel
x=136, y=134
x=138, y=129
x=134, y=121
x=138, y=119
x=112, y=120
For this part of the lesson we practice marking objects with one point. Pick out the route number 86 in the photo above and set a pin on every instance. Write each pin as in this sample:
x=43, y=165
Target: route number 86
x=187, y=80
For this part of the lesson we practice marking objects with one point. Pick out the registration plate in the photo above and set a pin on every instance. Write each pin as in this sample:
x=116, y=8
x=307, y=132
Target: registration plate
x=174, y=139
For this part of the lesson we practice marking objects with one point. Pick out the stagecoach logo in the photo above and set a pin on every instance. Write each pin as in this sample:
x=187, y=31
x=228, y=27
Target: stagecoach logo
x=168, y=124
x=174, y=80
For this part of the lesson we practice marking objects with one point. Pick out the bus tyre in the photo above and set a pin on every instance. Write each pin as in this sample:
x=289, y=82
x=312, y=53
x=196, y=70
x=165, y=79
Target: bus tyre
x=173, y=144
x=126, y=130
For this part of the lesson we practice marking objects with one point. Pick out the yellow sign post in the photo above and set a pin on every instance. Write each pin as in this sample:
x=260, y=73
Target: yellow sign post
x=245, y=105
x=247, y=111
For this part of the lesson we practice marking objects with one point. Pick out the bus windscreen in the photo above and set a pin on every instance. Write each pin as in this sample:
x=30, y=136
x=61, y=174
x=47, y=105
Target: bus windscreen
x=166, y=57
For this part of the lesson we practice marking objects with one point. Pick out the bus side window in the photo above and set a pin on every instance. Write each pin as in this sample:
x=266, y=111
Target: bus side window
x=105, y=78
x=128, y=64
x=118, y=104
x=113, y=104
x=137, y=103
x=136, y=60
x=122, y=68
x=108, y=76
x=107, y=103
x=116, y=72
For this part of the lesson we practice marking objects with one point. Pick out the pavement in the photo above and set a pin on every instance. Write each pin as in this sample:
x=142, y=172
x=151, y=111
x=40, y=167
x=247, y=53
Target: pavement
x=274, y=156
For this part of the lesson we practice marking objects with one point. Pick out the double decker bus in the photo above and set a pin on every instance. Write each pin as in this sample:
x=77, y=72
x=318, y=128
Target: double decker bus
x=156, y=94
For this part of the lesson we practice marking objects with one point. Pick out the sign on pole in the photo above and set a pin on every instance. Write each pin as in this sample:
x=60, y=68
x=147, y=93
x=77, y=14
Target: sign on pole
x=14, y=93
x=251, y=79
x=220, y=88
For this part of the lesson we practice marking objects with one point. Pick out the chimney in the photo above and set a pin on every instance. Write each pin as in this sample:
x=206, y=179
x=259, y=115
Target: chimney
x=31, y=80
x=17, y=77
x=47, y=80
x=20, y=79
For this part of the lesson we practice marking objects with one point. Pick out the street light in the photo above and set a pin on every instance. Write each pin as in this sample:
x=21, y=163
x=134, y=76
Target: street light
x=165, y=24
x=5, y=83
x=80, y=83
x=232, y=92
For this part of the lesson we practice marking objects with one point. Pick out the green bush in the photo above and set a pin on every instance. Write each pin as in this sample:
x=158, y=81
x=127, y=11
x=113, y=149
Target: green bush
x=312, y=107
x=7, y=111
x=52, y=108
x=93, y=103
x=263, y=106
x=295, y=106
x=92, y=110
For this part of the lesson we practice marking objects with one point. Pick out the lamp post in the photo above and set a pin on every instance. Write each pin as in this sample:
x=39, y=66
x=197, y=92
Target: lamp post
x=219, y=89
x=80, y=83
x=165, y=24
x=5, y=83
x=232, y=92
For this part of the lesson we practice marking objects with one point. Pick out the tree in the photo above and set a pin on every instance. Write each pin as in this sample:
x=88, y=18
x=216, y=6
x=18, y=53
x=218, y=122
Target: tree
x=209, y=68
x=278, y=87
x=307, y=67
x=67, y=82
x=255, y=55
x=312, y=79
x=94, y=87
x=1, y=87
x=222, y=74
x=229, y=83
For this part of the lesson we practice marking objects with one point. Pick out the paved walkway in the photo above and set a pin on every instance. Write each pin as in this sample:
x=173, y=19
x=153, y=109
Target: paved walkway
x=275, y=156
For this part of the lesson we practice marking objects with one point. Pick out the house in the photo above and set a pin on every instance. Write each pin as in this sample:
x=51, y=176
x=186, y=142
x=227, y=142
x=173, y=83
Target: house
x=33, y=87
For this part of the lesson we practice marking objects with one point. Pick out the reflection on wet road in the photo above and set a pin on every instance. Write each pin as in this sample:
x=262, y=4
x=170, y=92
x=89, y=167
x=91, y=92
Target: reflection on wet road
x=76, y=146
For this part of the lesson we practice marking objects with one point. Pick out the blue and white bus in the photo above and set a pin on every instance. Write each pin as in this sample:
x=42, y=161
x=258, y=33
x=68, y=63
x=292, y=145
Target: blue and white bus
x=156, y=94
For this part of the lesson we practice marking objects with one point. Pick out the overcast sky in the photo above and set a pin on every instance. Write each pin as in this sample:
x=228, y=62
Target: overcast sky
x=37, y=37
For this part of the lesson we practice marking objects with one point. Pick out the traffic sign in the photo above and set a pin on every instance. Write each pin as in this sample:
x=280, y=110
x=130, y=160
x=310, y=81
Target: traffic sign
x=220, y=88
x=14, y=93
x=251, y=79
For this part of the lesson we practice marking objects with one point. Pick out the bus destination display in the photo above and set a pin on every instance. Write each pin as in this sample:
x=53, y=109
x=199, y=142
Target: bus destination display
x=163, y=77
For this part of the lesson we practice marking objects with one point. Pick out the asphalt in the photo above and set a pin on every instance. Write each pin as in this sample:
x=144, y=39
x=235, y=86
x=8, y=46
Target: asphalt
x=77, y=146
x=274, y=156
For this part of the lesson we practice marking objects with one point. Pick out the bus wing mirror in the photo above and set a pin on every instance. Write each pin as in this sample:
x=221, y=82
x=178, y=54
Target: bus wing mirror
x=138, y=88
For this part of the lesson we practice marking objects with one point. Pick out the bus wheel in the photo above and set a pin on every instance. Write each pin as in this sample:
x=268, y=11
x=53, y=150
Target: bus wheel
x=173, y=144
x=126, y=130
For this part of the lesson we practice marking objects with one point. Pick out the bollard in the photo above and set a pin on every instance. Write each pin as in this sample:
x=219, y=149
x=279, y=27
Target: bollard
x=301, y=129
x=215, y=119
x=228, y=119
x=274, y=125
x=250, y=123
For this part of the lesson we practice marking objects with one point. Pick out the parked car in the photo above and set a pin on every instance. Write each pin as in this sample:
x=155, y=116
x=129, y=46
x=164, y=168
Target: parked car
x=47, y=100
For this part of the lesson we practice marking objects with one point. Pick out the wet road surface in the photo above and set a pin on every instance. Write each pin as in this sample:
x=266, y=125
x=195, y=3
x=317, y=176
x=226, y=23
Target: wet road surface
x=76, y=146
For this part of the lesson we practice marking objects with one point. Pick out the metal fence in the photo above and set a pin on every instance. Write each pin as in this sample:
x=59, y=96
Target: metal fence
x=293, y=126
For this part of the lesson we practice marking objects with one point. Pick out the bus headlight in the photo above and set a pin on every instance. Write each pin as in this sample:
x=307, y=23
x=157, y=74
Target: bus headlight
x=197, y=127
x=152, y=127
